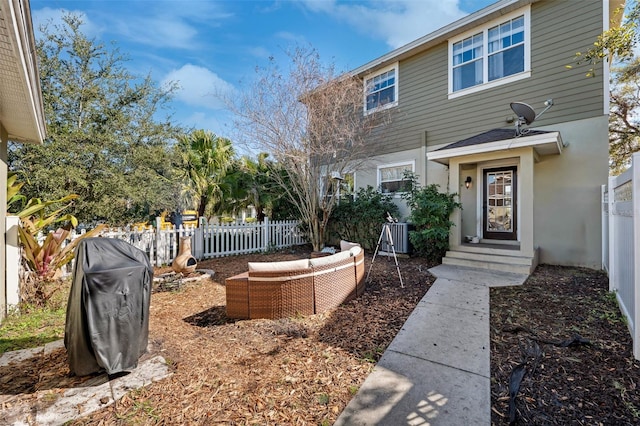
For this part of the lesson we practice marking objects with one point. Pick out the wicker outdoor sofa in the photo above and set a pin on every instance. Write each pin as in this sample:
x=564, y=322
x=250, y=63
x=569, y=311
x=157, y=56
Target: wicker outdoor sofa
x=297, y=287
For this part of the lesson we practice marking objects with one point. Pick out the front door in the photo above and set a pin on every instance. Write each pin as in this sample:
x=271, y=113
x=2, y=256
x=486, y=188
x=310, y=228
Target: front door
x=499, y=204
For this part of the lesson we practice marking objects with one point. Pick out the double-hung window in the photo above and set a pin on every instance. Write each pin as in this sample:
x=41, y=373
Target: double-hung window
x=381, y=89
x=391, y=178
x=468, y=60
x=506, y=48
x=492, y=55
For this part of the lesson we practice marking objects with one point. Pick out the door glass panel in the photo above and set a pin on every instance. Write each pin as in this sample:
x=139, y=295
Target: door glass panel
x=499, y=201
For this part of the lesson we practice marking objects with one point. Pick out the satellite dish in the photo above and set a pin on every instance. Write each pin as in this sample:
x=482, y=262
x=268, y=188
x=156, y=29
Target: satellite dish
x=526, y=115
x=524, y=112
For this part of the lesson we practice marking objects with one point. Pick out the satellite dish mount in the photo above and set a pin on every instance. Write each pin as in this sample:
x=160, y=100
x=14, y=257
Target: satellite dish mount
x=526, y=115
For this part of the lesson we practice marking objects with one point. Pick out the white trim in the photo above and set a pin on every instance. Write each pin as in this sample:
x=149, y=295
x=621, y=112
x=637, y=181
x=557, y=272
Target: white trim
x=505, y=144
x=635, y=162
x=397, y=164
x=484, y=28
x=395, y=66
x=435, y=35
x=511, y=162
x=606, y=72
x=17, y=16
x=489, y=85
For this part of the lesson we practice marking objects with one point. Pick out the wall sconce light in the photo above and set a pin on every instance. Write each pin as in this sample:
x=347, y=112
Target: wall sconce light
x=467, y=182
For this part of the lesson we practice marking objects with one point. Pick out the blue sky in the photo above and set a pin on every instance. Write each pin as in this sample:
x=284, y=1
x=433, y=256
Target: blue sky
x=210, y=46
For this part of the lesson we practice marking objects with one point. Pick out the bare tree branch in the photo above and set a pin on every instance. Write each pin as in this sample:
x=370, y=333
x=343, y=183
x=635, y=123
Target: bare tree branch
x=311, y=121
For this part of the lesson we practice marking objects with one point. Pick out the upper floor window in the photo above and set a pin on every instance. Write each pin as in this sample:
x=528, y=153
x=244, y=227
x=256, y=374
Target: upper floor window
x=391, y=178
x=495, y=54
x=381, y=89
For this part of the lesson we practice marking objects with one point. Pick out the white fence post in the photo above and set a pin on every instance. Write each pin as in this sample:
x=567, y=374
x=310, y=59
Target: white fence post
x=158, y=242
x=604, y=196
x=266, y=234
x=12, y=254
x=636, y=252
x=612, y=234
x=198, y=243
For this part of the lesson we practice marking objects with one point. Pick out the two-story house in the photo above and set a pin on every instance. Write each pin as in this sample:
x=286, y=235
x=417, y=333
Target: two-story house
x=529, y=196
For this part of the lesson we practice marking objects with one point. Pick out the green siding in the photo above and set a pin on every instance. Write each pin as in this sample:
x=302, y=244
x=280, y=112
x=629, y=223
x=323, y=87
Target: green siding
x=559, y=29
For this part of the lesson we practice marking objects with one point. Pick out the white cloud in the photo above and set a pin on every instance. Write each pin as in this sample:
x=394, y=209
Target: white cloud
x=397, y=22
x=199, y=86
x=290, y=37
x=53, y=17
x=259, y=52
x=201, y=120
x=159, y=31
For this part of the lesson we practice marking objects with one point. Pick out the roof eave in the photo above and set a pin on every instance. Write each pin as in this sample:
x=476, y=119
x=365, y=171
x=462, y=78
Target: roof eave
x=545, y=144
x=17, y=13
x=461, y=25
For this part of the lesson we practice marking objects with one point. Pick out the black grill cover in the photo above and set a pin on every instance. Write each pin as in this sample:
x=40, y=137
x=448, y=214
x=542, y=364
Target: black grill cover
x=107, y=325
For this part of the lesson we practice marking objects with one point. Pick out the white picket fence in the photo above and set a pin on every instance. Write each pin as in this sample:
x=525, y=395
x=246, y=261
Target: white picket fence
x=621, y=244
x=162, y=246
x=211, y=241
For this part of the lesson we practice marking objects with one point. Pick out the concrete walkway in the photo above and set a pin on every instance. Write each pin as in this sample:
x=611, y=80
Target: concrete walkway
x=436, y=371
x=53, y=406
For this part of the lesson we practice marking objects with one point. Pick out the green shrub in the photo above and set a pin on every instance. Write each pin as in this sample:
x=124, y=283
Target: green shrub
x=430, y=213
x=360, y=219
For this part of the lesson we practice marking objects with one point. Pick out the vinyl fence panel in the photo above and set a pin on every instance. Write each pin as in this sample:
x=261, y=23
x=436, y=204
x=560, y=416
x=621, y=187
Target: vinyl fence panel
x=623, y=245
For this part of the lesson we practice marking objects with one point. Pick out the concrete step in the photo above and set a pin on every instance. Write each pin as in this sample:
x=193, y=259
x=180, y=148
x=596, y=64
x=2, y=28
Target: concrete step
x=487, y=257
x=487, y=250
x=505, y=260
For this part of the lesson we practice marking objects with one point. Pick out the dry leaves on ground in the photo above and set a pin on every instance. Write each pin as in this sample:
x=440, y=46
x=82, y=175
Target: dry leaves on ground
x=289, y=371
x=305, y=370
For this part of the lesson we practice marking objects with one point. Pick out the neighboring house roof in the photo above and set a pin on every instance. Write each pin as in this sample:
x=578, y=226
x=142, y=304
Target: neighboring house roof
x=543, y=141
x=473, y=20
x=21, y=108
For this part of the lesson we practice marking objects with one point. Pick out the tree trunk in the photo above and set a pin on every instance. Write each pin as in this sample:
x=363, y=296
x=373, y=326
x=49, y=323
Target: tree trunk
x=202, y=205
x=315, y=237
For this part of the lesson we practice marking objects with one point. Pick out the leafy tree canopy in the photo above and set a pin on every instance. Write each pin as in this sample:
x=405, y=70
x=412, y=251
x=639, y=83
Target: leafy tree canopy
x=618, y=45
x=104, y=142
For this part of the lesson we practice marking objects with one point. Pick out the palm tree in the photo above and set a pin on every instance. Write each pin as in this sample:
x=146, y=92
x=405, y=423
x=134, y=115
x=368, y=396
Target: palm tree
x=203, y=162
x=249, y=184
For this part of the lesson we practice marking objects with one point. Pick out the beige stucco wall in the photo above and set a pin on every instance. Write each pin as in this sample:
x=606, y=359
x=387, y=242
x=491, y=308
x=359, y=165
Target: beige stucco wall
x=468, y=199
x=523, y=158
x=559, y=209
x=567, y=209
x=367, y=174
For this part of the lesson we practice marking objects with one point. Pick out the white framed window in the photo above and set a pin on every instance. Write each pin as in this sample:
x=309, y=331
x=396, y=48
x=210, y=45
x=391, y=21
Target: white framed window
x=492, y=55
x=381, y=89
x=391, y=177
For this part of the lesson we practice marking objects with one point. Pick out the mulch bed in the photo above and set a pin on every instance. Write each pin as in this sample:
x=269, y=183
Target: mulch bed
x=566, y=332
x=304, y=370
x=301, y=370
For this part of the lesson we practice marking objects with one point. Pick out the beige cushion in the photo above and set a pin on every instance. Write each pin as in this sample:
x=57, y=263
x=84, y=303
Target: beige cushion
x=287, y=265
x=328, y=260
x=354, y=251
x=346, y=245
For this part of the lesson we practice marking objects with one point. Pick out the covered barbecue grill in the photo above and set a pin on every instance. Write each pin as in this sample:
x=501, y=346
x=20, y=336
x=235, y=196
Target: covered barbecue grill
x=107, y=325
